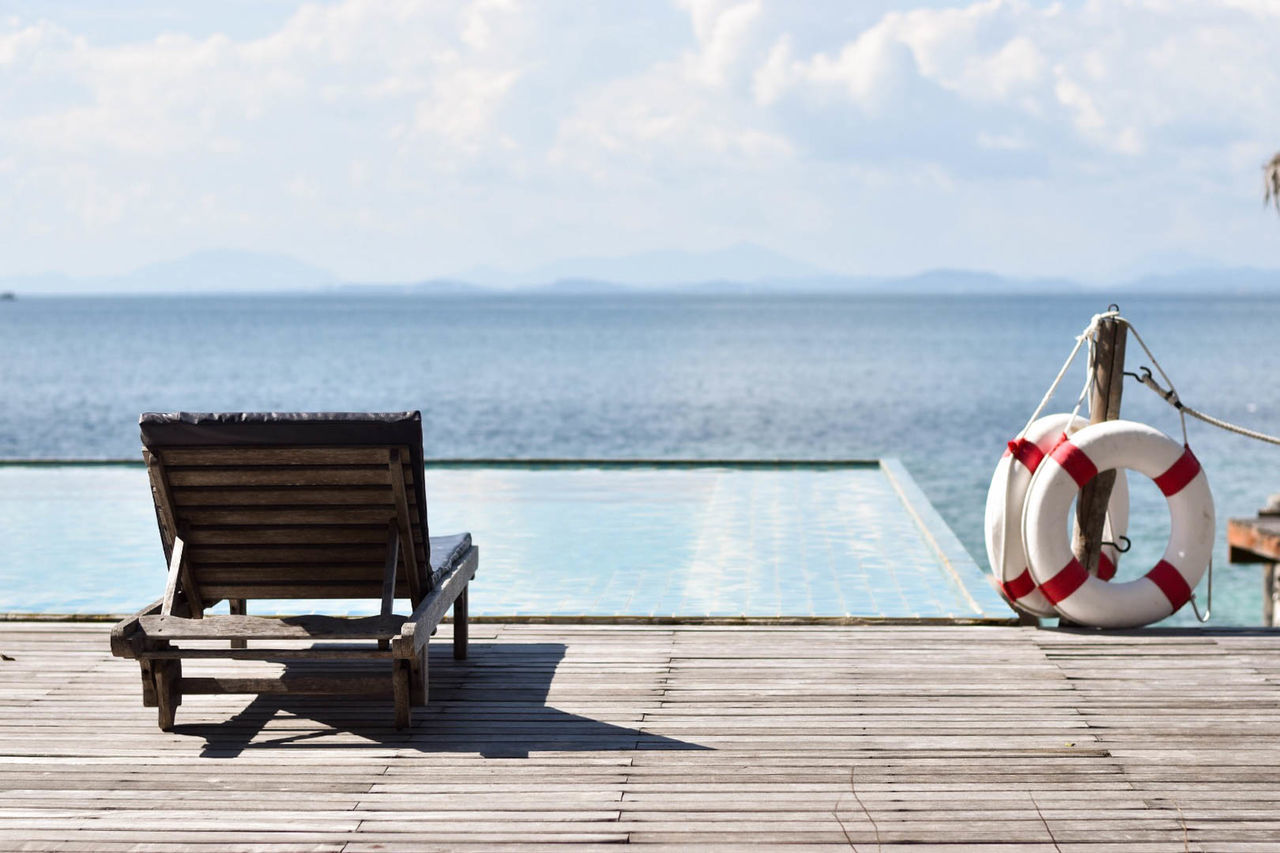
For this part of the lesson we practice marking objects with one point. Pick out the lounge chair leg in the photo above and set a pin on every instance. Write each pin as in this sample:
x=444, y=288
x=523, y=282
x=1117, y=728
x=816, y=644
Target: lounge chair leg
x=401, y=678
x=460, y=626
x=418, y=698
x=168, y=696
x=239, y=607
x=148, y=684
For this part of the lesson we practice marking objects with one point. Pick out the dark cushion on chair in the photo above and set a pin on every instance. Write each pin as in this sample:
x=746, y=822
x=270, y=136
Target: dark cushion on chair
x=446, y=551
x=291, y=429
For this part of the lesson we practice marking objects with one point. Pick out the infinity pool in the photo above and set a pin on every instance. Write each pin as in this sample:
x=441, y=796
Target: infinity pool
x=560, y=540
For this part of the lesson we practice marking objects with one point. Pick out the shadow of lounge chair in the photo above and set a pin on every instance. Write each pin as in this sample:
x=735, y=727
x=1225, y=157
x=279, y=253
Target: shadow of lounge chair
x=298, y=506
x=495, y=704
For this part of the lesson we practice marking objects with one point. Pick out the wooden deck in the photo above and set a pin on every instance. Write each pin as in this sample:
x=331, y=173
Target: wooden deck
x=826, y=738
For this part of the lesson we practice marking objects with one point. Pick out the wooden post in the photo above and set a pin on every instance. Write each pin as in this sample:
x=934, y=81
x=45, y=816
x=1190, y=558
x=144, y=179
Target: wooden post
x=1104, y=405
x=1269, y=594
x=1257, y=540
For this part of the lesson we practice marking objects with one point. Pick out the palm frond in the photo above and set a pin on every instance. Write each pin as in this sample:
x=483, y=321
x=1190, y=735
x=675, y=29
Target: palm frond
x=1271, y=182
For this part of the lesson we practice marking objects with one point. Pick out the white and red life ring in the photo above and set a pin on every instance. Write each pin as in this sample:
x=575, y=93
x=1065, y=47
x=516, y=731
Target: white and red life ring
x=1005, y=500
x=1176, y=472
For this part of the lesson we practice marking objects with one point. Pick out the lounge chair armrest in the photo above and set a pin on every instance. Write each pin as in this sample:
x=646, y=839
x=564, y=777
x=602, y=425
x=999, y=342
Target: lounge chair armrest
x=126, y=634
x=416, y=631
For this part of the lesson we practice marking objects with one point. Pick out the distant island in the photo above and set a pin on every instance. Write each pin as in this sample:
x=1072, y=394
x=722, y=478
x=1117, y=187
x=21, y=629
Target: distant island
x=744, y=269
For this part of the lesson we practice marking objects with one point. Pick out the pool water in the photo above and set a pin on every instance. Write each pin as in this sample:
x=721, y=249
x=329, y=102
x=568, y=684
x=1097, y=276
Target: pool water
x=560, y=540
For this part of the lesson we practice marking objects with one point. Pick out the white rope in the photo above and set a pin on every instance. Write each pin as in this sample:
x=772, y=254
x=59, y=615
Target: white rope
x=1171, y=397
x=1091, y=336
x=1181, y=414
x=1086, y=336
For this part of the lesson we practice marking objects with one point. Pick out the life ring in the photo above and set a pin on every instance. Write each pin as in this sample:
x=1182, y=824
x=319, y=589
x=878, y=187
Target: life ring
x=1003, y=517
x=1178, y=475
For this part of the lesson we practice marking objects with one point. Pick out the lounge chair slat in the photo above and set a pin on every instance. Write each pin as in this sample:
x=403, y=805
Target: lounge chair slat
x=329, y=652
x=301, y=476
x=241, y=555
x=333, y=652
x=202, y=516
x=349, y=581
x=225, y=574
x=287, y=534
x=308, y=627
x=239, y=496
x=332, y=535
x=288, y=588
x=314, y=555
x=248, y=456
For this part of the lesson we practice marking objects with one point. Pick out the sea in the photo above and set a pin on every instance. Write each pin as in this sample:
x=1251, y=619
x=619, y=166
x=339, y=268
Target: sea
x=938, y=382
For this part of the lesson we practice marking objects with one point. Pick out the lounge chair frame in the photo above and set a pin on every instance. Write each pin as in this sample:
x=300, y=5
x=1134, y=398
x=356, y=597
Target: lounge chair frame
x=296, y=522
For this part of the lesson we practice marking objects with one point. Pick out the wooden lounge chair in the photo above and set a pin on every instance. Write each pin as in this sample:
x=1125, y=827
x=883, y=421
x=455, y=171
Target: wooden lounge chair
x=303, y=506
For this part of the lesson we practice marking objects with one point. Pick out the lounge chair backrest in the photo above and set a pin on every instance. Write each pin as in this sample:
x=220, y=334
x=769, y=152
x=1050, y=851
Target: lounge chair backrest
x=290, y=505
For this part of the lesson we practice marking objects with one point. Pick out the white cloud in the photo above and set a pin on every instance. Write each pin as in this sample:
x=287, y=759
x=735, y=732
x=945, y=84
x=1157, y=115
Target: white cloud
x=723, y=32
x=347, y=130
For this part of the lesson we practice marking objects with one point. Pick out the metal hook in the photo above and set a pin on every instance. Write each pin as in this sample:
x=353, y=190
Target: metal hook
x=1128, y=543
x=1112, y=307
x=1143, y=377
x=1208, y=606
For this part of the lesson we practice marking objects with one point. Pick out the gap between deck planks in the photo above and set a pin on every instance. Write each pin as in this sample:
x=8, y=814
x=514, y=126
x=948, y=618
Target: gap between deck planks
x=712, y=738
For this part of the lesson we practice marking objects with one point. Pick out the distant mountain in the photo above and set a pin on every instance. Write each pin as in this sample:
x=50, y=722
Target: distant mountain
x=580, y=286
x=744, y=262
x=214, y=271
x=39, y=283
x=1163, y=262
x=430, y=287
x=1207, y=281
x=964, y=282
x=940, y=282
x=742, y=269
x=223, y=270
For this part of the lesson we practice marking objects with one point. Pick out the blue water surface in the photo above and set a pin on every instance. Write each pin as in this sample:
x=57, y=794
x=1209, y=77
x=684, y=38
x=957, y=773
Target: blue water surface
x=938, y=382
x=559, y=541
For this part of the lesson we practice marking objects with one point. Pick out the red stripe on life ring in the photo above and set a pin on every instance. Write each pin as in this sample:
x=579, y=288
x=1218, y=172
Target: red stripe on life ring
x=1076, y=462
x=1171, y=583
x=1180, y=473
x=1019, y=586
x=1027, y=453
x=1068, y=580
x=1106, y=568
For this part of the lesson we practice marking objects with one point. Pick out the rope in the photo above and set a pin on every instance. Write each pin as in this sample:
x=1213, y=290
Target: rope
x=1171, y=397
x=1086, y=336
x=1181, y=412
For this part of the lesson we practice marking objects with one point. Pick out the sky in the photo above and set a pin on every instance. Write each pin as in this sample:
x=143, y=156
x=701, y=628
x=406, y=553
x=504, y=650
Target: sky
x=396, y=140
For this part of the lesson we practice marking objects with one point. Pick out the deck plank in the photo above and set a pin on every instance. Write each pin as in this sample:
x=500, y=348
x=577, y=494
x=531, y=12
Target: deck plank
x=574, y=737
